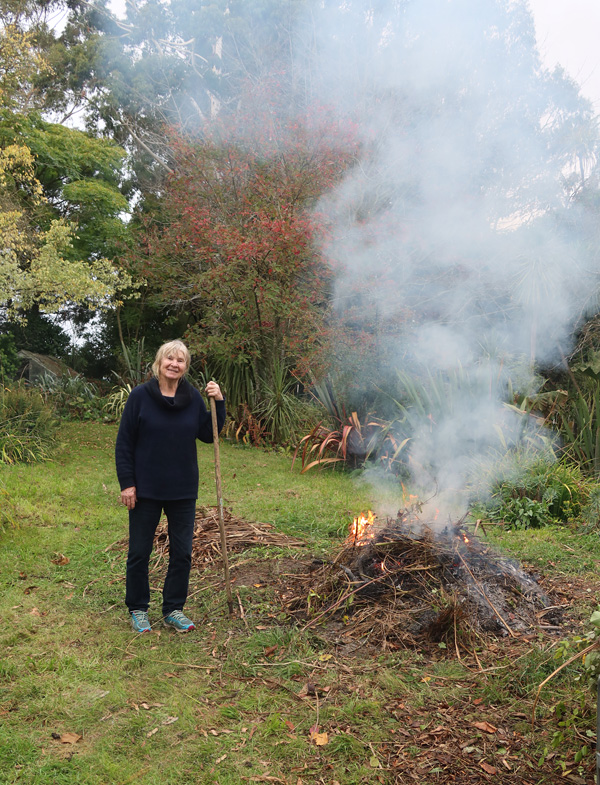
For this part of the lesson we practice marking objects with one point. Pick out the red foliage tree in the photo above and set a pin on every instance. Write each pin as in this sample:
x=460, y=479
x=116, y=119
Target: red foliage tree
x=234, y=242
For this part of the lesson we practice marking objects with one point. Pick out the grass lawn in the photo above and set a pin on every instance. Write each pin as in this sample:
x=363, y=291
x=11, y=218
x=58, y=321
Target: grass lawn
x=254, y=698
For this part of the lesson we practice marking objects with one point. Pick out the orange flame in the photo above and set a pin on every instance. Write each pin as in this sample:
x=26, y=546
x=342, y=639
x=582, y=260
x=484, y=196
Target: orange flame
x=361, y=528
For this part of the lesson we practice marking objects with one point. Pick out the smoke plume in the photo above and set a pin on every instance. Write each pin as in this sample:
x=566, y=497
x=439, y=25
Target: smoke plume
x=457, y=229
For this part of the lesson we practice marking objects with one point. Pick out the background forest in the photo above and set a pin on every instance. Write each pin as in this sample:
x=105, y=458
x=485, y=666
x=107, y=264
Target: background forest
x=375, y=225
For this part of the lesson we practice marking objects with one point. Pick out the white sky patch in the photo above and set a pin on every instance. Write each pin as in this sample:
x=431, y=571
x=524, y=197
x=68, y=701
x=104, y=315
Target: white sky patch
x=567, y=34
x=117, y=7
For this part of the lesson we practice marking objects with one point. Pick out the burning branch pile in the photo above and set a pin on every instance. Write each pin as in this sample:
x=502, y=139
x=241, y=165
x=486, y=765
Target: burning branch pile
x=406, y=583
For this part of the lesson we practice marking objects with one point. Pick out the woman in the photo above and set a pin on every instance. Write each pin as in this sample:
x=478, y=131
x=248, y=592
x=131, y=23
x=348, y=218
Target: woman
x=157, y=468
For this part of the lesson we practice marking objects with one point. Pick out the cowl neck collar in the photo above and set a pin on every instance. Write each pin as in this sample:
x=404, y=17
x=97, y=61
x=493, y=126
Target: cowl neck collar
x=183, y=394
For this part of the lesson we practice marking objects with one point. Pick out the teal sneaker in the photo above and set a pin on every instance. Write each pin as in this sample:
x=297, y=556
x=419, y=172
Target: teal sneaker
x=179, y=621
x=140, y=621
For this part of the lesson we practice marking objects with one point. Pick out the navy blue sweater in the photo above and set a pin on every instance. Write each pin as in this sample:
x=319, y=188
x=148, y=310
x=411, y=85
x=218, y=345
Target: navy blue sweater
x=156, y=443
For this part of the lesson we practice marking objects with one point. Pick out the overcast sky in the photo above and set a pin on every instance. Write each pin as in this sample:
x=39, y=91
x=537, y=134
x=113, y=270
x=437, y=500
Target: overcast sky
x=568, y=33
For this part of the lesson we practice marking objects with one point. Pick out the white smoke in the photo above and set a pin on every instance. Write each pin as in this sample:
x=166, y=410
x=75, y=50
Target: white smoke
x=457, y=213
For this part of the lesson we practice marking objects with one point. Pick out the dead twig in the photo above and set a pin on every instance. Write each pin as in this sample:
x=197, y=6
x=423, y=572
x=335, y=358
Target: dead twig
x=241, y=607
x=485, y=597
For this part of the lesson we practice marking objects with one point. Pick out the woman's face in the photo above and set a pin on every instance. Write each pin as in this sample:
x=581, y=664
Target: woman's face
x=172, y=366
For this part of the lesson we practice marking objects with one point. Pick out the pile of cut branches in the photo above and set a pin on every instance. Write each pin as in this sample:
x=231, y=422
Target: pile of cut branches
x=411, y=586
x=241, y=534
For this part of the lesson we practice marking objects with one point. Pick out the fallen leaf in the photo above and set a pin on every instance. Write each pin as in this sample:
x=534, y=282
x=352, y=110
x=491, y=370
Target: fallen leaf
x=70, y=738
x=290, y=725
x=152, y=732
x=320, y=739
x=170, y=720
x=34, y=612
x=221, y=759
x=270, y=651
x=60, y=558
x=374, y=762
x=325, y=657
x=487, y=768
x=485, y=726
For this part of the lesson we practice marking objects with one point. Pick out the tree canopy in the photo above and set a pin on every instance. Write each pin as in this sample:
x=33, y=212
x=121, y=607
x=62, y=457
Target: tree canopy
x=59, y=190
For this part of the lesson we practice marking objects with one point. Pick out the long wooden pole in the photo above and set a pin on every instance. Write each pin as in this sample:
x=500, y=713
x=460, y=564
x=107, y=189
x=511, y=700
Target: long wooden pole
x=215, y=430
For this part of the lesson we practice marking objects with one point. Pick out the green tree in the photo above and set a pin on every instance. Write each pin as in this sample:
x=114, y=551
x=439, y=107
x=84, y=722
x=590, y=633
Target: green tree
x=59, y=198
x=63, y=43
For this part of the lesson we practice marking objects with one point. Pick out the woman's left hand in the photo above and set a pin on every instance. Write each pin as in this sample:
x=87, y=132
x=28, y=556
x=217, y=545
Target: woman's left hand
x=214, y=391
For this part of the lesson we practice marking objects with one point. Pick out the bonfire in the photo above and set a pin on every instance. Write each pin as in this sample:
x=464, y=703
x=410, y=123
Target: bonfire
x=405, y=582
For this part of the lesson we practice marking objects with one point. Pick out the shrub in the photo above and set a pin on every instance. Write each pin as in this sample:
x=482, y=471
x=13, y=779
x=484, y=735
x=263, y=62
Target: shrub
x=28, y=427
x=282, y=413
x=349, y=439
x=73, y=397
x=530, y=492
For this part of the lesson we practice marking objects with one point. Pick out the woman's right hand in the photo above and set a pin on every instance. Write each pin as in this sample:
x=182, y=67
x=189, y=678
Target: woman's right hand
x=129, y=497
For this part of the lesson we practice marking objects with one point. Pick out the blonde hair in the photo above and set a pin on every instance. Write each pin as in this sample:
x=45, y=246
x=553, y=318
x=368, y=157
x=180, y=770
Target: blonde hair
x=171, y=346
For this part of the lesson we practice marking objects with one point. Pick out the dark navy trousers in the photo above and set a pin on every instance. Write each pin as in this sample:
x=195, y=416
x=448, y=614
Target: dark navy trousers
x=143, y=520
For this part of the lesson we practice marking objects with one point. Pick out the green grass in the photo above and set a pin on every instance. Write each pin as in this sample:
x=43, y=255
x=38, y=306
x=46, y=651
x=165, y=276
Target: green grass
x=212, y=707
x=562, y=548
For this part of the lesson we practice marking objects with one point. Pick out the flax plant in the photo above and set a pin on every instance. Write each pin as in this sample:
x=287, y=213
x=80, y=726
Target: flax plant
x=581, y=427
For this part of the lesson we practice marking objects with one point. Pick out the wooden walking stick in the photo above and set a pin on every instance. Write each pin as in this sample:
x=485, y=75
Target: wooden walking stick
x=215, y=430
